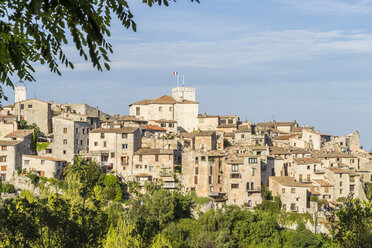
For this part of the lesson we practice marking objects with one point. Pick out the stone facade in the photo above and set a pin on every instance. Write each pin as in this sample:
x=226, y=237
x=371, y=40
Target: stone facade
x=44, y=166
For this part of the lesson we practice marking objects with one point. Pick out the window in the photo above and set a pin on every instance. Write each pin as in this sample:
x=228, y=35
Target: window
x=2, y=158
x=140, y=158
x=65, y=141
x=308, y=177
x=22, y=106
x=202, y=158
x=27, y=162
x=113, y=155
x=4, y=148
x=234, y=185
x=235, y=168
x=42, y=161
x=242, y=136
x=171, y=124
x=170, y=109
x=124, y=135
x=163, y=125
x=253, y=170
x=308, y=167
x=340, y=191
x=138, y=110
x=211, y=170
x=293, y=190
x=196, y=170
x=272, y=172
x=352, y=188
x=235, y=175
x=77, y=130
x=340, y=175
x=48, y=151
x=83, y=130
x=3, y=177
x=231, y=121
x=104, y=143
x=81, y=142
x=95, y=143
x=151, y=168
x=219, y=179
x=195, y=179
x=210, y=179
x=138, y=166
x=77, y=141
x=65, y=130
x=340, y=183
x=124, y=146
x=102, y=135
x=3, y=168
x=283, y=190
x=64, y=151
x=252, y=160
x=196, y=160
x=157, y=158
x=160, y=109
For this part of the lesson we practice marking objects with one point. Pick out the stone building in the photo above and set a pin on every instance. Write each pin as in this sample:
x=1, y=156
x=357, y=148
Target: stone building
x=180, y=107
x=315, y=139
x=33, y=111
x=13, y=146
x=202, y=172
x=69, y=138
x=156, y=165
x=208, y=122
x=243, y=176
x=44, y=166
x=294, y=195
x=114, y=148
x=305, y=169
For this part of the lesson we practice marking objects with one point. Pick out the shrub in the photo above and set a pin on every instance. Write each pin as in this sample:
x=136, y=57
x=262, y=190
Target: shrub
x=7, y=188
x=314, y=198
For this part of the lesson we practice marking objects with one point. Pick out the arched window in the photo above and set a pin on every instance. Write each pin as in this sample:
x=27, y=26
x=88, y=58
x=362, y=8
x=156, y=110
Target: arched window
x=249, y=203
x=252, y=185
x=247, y=186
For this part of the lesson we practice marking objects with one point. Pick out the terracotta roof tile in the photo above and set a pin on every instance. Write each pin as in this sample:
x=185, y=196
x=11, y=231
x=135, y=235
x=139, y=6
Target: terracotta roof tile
x=322, y=183
x=44, y=158
x=153, y=151
x=290, y=182
x=154, y=128
x=115, y=130
x=20, y=133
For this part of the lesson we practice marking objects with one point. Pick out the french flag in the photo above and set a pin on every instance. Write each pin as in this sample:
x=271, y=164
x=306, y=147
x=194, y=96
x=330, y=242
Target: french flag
x=175, y=73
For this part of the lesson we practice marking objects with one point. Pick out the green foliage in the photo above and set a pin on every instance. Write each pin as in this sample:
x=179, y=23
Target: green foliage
x=34, y=178
x=22, y=124
x=368, y=190
x=38, y=31
x=50, y=222
x=123, y=235
x=314, y=198
x=42, y=146
x=7, y=188
x=352, y=223
x=266, y=194
x=110, y=180
x=303, y=238
x=271, y=207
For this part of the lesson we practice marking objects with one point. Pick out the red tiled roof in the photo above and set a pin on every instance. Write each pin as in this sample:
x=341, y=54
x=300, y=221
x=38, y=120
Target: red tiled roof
x=154, y=128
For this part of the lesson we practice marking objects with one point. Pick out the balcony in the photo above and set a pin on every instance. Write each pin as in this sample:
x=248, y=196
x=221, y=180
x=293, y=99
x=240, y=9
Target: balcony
x=254, y=190
x=170, y=185
x=166, y=174
x=235, y=176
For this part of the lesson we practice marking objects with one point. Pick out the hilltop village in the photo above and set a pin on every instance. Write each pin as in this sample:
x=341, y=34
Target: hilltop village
x=166, y=141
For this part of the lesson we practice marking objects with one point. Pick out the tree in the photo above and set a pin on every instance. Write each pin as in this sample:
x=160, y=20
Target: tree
x=351, y=224
x=304, y=238
x=36, y=31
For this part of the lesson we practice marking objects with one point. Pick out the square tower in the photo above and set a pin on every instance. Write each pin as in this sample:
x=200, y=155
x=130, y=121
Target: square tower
x=19, y=93
x=183, y=93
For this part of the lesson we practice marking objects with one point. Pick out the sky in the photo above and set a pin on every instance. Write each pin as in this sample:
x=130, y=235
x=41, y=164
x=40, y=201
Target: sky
x=309, y=61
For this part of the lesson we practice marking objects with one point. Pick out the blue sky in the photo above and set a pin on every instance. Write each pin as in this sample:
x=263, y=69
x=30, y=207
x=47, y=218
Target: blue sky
x=309, y=61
